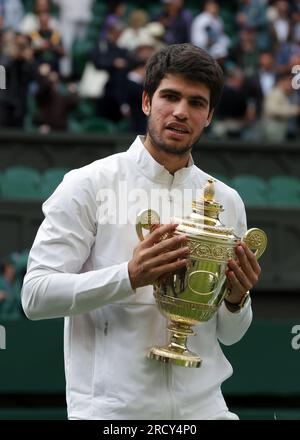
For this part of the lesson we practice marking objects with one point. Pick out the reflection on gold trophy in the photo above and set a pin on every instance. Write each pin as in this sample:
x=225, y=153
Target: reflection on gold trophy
x=194, y=294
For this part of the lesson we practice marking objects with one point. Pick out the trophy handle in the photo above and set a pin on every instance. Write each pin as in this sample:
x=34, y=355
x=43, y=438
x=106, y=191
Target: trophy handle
x=145, y=220
x=256, y=240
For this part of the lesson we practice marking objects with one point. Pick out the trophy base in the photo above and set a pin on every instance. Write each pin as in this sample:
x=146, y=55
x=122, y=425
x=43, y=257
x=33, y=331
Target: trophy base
x=184, y=359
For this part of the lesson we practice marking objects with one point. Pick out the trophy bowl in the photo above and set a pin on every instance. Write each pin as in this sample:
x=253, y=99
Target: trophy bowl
x=193, y=294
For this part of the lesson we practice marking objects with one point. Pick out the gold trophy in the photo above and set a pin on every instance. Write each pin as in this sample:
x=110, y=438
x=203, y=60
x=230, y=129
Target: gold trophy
x=193, y=294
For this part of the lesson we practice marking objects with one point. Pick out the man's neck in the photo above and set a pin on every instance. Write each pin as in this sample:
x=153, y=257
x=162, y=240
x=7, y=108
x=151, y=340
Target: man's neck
x=171, y=162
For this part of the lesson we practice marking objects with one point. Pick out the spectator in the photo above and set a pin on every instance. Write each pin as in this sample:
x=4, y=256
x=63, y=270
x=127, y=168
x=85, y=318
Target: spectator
x=286, y=50
x=231, y=112
x=74, y=16
x=261, y=82
x=176, y=21
x=18, y=63
x=156, y=32
x=245, y=53
x=47, y=43
x=31, y=23
x=278, y=109
x=115, y=14
x=53, y=106
x=252, y=13
x=133, y=89
x=11, y=14
x=279, y=16
x=115, y=60
x=208, y=30
x=136, y=30
x=296, y=20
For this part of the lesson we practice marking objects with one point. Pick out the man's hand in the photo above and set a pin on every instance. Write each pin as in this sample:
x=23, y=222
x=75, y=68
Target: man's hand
x=153, y=258
x=242, y=274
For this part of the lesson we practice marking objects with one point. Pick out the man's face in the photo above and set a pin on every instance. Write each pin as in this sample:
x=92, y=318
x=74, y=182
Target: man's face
x=177, y=115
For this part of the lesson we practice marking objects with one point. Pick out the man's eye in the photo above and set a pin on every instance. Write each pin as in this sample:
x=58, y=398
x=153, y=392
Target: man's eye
x=197, y=103
x=171, y=97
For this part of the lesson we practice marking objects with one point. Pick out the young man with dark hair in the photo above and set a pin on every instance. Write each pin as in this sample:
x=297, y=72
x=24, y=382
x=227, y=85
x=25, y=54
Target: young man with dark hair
x=87, y=265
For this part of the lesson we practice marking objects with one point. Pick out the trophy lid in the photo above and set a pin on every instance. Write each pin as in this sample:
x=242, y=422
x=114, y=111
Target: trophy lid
x=204, y=218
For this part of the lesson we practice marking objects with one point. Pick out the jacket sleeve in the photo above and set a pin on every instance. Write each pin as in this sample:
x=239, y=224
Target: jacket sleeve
x=231, y=327
x=54, y=285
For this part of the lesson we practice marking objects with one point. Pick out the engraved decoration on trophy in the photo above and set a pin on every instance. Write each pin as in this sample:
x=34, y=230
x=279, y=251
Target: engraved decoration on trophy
x=193, y=294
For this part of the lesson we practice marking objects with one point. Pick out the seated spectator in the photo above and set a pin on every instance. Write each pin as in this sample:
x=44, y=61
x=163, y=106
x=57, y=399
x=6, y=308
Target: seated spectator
x=30, y=22
x=279, y=110
x=18, y=63
x=53, y=106
x=47, y=44
x=10, y=303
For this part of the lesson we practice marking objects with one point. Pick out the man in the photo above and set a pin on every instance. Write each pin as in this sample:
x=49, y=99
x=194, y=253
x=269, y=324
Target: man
x=86, y=263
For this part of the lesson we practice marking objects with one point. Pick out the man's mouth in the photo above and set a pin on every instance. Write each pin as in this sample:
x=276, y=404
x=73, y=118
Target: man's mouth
x=177, y=128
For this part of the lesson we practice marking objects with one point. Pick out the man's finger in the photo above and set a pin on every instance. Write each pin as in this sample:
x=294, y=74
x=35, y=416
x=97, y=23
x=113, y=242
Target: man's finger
x=251, y=257
x=155, y=235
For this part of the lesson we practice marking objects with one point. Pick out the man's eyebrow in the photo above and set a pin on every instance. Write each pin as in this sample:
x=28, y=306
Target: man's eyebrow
x=175, y=92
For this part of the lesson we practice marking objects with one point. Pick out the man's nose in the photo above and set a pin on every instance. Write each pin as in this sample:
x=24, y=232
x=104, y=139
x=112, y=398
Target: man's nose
x=181, y=110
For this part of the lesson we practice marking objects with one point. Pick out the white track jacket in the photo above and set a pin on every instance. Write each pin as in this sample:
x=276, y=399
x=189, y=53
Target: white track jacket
x=78, y=269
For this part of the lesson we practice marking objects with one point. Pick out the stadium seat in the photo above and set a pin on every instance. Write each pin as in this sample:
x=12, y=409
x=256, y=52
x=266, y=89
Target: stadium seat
x=98, y=125
x=221, y=177
x=252, y=189
x=21, y=183
x=50, y=179
x=284, y=191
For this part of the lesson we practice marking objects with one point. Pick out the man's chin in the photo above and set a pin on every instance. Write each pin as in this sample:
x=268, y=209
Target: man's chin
x=176, y=148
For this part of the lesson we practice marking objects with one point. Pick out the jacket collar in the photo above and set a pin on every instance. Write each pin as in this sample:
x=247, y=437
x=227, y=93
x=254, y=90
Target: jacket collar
x=152, y=169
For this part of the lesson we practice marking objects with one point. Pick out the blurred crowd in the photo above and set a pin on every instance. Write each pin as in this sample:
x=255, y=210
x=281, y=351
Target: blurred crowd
x=257, y=42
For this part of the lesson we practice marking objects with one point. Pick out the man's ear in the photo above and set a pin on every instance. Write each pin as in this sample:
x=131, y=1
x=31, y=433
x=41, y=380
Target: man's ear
x=146, y=104
x=209, y=118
